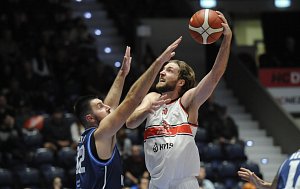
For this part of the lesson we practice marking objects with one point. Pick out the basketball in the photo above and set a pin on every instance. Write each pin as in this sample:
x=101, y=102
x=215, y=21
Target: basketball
x=205, y=26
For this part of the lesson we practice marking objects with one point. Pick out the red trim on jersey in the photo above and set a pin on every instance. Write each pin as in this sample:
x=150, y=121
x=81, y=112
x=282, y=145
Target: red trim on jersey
x=183, y=108
x=170, y=131
x=193, y=125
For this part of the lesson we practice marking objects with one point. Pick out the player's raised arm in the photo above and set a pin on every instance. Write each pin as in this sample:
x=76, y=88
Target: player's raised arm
x=195, y=97
x=150, y=104
x=115, y=120
x=113, y=97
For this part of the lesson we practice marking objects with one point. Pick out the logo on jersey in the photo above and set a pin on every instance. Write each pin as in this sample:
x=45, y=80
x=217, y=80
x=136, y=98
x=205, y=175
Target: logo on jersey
x=165, y=146
x=165, y=111
x=165, y=124
x=82, y=138
x=155, y=147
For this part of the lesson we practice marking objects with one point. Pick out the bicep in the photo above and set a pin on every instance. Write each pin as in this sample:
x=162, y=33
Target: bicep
x=196, y=96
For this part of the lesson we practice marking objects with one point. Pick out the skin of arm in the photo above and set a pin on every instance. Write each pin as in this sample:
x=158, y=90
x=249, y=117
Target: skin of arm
x=195, y=97
x=150, y=104
x=113, y=96
x=104, y=134
x=251, y=177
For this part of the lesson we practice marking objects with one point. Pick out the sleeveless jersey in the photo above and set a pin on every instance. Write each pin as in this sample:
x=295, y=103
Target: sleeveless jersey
x=169, y=145
x=288, y=175
x=92, y=173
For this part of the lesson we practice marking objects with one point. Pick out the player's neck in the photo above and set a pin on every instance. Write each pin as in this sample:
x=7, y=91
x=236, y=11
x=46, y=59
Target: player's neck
x=173, y=95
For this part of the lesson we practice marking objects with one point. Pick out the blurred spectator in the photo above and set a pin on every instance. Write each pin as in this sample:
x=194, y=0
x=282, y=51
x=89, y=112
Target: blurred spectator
x=15, y=95
x=4, y=107
x=144, y=183
x=124, y=143
x=57, y=183
x=9, y=49
x=227, y=129
x=76, y=130
x=99, y=79
x=204, y=183
x=57, y=131
x=29, y=81
x=10, y=139
x=133, y=173
x=40, y=63
x=208, y=115
x=6, y=75
x=289, y=56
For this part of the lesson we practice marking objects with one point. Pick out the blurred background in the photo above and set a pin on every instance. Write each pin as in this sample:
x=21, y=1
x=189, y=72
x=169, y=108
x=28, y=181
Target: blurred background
x=53, y=51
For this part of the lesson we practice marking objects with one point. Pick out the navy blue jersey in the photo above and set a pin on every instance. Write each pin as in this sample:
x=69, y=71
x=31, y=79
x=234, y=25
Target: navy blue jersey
x=91, y=173
x=288, y=175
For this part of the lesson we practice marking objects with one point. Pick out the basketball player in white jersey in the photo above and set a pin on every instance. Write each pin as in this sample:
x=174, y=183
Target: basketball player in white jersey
x=171, y=154
x=288, y=175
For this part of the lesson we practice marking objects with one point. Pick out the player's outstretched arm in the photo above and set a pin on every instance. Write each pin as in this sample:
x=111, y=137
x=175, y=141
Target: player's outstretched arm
x=115, y=120
x=195, y=97
x=113, y=96
x=149, y=105
x=251, y=177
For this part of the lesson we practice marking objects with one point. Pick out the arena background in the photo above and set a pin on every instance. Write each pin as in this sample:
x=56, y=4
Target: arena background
x=53, y=51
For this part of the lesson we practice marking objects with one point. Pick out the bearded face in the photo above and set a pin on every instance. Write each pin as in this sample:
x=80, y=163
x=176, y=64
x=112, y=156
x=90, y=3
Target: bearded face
x=168, y=78
x=163, y=86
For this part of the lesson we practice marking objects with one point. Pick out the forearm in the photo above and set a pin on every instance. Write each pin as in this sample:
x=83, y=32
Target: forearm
x=221, y=61
x=140, y=88
x=264, y=185
x=260, y=183
x=136, y=118
x=113, y=97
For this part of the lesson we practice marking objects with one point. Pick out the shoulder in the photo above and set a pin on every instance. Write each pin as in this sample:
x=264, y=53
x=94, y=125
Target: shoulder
x=152, y=95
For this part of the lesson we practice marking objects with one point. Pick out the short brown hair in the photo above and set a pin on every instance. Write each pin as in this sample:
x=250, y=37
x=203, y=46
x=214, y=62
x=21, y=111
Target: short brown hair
x=82, y=107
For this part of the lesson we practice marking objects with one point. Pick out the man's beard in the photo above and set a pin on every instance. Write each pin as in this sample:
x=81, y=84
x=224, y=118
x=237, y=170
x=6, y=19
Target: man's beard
x=165, y=88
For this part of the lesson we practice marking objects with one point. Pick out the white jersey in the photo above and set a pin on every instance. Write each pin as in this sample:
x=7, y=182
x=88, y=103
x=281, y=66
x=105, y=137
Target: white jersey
x=170, y=149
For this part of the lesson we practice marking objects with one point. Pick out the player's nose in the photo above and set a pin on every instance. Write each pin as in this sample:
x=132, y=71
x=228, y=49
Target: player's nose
x=107, y=107
x=162, y=73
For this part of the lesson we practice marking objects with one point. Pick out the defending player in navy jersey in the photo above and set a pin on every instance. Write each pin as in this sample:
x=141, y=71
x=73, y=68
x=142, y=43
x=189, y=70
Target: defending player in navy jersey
x=98, y=160
x=288, y=175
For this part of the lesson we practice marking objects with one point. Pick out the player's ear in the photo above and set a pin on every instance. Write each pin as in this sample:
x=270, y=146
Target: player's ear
x=181, y=82
x=89, y=118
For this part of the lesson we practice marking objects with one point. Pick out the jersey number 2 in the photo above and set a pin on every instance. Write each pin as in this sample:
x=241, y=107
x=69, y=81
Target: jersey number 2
x=80, y=158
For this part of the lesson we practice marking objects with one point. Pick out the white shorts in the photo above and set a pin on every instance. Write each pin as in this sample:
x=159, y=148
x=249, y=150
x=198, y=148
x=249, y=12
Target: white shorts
x=186, y=183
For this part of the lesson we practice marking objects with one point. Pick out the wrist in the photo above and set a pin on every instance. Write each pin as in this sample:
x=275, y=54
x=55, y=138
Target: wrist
x=159, y=60
x=228, y=36
x=122, y=73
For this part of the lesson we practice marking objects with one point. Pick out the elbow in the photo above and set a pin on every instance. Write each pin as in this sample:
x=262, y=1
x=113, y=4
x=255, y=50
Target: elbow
x=129, y=124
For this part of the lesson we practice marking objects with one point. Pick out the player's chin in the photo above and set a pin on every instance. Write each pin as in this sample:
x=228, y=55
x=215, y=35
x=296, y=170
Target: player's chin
x=160, y=85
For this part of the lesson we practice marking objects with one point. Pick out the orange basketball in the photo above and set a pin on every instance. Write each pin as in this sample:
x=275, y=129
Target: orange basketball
x=205, y=26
